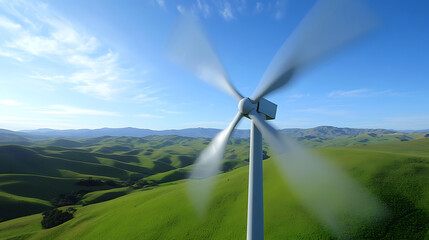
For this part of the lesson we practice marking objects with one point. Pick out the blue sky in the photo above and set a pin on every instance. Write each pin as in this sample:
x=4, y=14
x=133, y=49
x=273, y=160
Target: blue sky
x=92, y=64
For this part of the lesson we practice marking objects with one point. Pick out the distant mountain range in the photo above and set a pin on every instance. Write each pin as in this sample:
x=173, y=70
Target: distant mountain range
x=26, y=137
x=11, y=137
x=324, y=132
x=409, y=131
x=128, y=132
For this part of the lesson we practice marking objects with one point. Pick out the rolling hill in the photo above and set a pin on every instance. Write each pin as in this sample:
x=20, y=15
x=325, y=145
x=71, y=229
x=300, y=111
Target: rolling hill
x=37, y=174
x=323, y=136
x=11, y=137
x=397, y=173
x=152, y=158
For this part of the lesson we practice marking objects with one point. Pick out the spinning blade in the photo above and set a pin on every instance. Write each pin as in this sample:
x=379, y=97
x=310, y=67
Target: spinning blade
x=328, y=26
x=326, y=191
x=336, y=199
x=192, y=49
x=207, y=165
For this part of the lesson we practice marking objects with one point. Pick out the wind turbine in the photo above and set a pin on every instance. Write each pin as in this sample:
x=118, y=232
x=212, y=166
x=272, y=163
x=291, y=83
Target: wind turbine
x=333, y=197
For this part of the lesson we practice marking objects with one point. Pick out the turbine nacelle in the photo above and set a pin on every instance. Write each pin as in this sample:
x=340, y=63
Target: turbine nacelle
x=267, y=108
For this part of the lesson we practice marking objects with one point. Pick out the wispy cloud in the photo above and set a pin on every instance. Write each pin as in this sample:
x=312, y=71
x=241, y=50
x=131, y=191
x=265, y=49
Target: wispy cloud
x=8, y=24
x=181, y=9
x=362, y=92
x=34, y=32
x=37, y=31
x=148, y=95
x=231, y=9
x=279, y=9
x=97, y=76
x=11, y=55
x=169, y=111
x=295, y=97
x=145, y=98
x=226, y=11
x=259, y=6
x=161, y=3
x=70, y=110
x=323, y=111
x=53, y=78
x=9, y=102
x=349, y=93
x=147, y=115
x=203, y=7
x=217, y=124
x=299, y=95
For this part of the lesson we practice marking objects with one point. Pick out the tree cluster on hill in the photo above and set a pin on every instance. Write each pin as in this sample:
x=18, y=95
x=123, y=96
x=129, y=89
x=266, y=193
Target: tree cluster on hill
x=66, y=199
x=95, y=182
x=90, y=182
x=55, y=217
x=73, y=198
x=141, y=183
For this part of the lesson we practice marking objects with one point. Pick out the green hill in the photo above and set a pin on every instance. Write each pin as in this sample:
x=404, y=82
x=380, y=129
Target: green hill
x=44, y=171
x=21, y=206
x=11, y=137
x=361, y=139
x=419, y=147
x=397, y=173
x=104, y=195
x=330, y=132
x=31, y=175
x=23, y=160
x=64, y=143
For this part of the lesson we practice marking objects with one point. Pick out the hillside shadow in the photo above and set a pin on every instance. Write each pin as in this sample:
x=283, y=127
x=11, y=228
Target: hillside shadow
x=162, y=165
x=186, y=160
x=120, y=158
x=405, y=220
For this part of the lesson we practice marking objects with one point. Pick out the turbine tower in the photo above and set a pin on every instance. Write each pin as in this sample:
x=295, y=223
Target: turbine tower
x=327, y=192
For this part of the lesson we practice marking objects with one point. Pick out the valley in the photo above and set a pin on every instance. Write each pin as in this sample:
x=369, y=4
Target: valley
x=132, y=188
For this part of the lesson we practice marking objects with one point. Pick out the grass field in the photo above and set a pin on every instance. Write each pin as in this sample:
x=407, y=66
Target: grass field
x=397, y=173
x=53, y=167
x=104, y=195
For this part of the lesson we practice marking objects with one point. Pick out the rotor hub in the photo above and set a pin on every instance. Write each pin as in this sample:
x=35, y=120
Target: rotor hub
x=246, y=105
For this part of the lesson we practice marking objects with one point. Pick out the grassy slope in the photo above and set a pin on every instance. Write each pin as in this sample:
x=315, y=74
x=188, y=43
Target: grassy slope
x=40, y=187
x=418, y=147
x=34, y=173
x=363, y=139
x=400, y=180
x=45, y=171
x=147, y=215
x=20, y=226
x=104, y=195
x=21, y=206
x=24, y=194
x=153, y=154
x=23, y=160
x=173, y=175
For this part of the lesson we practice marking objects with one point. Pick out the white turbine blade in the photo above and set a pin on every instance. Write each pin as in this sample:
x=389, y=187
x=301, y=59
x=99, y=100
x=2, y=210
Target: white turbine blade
x=325, y=190
x=207, y=165
x=329, y=25
x=191, y=48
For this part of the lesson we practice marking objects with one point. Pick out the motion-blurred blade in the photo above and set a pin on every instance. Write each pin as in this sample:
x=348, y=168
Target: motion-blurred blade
x=329, y=25
x=207, y=165
x=191, y=48
x=326, y=191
